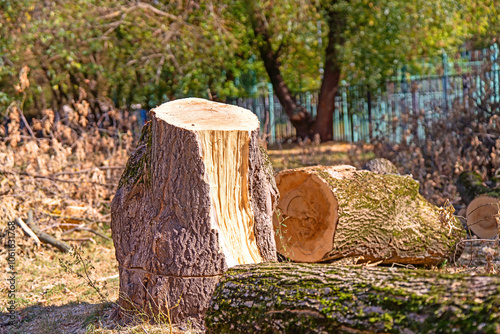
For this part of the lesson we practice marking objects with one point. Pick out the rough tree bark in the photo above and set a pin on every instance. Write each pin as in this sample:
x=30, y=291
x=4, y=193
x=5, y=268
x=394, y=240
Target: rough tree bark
x=483, y=204
x=381, y=166
x=328, y=213
x=196, y=198
x=313, y=298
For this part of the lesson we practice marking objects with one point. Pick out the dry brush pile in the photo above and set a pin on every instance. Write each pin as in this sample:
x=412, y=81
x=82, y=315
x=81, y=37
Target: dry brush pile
x=61, y=167
x=464, y=138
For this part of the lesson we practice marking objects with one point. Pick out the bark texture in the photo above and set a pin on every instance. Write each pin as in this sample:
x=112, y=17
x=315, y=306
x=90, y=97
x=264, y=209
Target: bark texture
x=177, y=221
x=381, y=166
x=313, y=298
x=329, y=213
x=332, y=74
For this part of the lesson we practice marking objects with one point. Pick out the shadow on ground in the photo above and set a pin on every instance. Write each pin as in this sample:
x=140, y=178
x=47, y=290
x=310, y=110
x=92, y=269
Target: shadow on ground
x=69, y=318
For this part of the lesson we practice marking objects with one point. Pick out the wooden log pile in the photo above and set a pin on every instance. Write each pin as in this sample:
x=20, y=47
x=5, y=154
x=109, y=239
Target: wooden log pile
x=197, y=204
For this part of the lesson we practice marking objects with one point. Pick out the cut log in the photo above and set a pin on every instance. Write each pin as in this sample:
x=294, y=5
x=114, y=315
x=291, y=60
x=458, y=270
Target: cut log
x=329, y=213
x=482, y=214
x=483, y=217
x=195, y=199
x=314, y=298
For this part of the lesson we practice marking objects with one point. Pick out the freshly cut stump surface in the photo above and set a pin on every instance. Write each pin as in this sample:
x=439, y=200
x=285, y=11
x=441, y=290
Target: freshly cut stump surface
x=483, y=216
x=195, y=199
x=329, y=213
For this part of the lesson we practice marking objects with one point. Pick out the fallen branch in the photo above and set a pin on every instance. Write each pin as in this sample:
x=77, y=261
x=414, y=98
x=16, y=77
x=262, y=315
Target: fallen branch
x=46, y=238
x=141, y=5
x=27, y=230
x=108, y=278
x=69, y=181
x=87, y=170
x=74, y=218
x=88, y=229
x=28, y=127
x=43, y=177
x=81, y=240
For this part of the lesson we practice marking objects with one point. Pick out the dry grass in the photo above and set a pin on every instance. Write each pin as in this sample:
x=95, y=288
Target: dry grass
x=310, y=153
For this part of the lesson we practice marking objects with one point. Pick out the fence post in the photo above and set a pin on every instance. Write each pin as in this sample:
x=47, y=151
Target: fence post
x=370, y=125
x=345, y=112
x=495, y=69
x=308, y=102
x=445, y=81
x=272, y=124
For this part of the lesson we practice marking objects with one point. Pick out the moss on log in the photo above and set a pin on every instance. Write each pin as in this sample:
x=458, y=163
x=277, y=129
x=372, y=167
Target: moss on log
x=329, y=213
x=315, y=298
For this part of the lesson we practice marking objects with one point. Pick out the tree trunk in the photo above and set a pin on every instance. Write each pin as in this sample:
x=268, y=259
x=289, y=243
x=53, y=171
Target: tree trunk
x=329, y=213
x=312, y=298
x=469, y=185
x=331, y=78
x=196, y=198
x=482, y=213
x=298, y=115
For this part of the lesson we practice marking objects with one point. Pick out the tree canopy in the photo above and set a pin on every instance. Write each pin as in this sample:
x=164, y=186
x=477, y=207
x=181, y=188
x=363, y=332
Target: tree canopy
x=115, y=53
x=120, y=52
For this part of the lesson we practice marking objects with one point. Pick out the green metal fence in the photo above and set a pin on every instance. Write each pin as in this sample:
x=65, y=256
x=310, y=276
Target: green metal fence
x=362, y=114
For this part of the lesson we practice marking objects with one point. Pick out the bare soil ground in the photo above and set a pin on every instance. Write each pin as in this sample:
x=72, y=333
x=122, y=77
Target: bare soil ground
x=69, y=187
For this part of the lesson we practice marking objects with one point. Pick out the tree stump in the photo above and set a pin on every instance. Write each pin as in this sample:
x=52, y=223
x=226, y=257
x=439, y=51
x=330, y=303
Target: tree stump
x=329, y=213
x=322, y=298
x=195, y=199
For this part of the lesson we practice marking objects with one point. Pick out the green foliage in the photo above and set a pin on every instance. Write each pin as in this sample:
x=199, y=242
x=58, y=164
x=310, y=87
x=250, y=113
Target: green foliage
x=115, y=53
x=382, y=35
x=482, y=20
x=296, y=29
